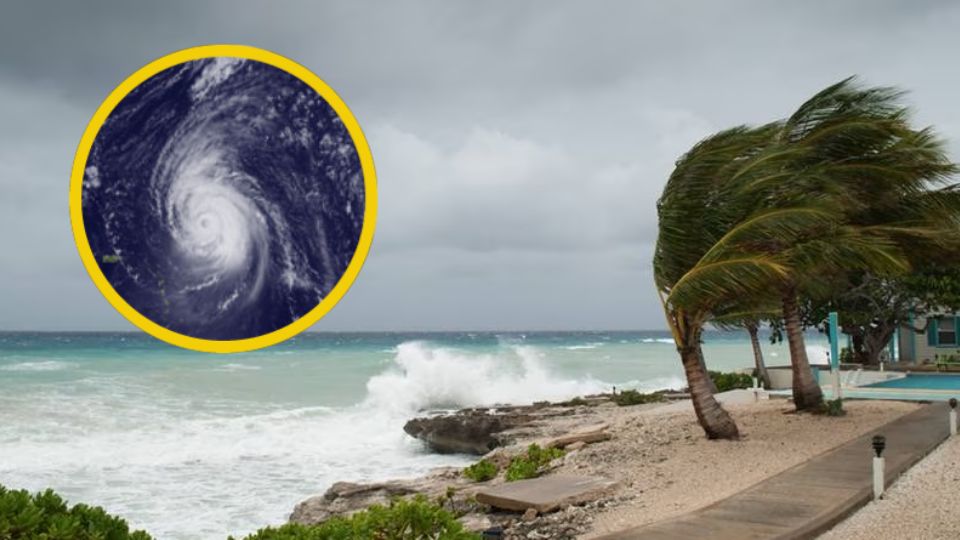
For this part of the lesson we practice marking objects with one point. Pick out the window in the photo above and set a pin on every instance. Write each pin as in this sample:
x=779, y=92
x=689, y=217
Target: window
x=946, y=331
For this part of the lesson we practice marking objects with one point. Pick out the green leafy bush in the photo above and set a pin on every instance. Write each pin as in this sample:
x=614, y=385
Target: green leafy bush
x=731, y=381
x=632, y=397
x=532, y=463
x=833, y=407
x=481, y=471
x=404, y=519
x=46, y=516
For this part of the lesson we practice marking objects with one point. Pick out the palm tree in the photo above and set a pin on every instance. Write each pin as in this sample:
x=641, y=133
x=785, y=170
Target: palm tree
x=695, y=280
x=751, y=214
x=854, y=148
x=752, y=327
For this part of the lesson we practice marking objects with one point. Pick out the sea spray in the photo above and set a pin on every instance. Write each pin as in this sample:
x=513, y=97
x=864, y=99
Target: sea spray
x=430, y=377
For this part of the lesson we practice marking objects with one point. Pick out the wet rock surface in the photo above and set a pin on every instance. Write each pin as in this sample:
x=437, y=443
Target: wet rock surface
x=471, y=431
x=477, y=431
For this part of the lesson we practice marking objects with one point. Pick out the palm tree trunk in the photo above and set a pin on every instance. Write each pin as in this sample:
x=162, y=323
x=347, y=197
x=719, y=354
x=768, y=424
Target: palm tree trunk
x=703, y=366
x=762, y=374
x=713, y=418
x=806, y=392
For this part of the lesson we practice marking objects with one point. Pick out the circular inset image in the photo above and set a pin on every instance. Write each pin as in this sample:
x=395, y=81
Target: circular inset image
x=223, y=198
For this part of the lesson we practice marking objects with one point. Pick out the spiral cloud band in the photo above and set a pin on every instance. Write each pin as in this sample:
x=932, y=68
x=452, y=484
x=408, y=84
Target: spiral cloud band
x=223, y=198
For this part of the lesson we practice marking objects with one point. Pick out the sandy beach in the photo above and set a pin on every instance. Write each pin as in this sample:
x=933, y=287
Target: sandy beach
x=668, y=468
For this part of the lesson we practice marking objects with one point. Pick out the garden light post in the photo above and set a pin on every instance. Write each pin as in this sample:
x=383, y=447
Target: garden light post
x=879, y=443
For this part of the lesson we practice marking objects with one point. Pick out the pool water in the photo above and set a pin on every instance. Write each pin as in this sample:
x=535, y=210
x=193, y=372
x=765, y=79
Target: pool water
x=930, y=382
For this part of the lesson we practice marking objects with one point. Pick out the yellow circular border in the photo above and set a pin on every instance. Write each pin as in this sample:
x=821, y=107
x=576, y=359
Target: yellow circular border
x=369, y=214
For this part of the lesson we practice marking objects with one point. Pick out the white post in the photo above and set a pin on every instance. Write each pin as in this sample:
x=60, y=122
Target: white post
x=877, y=477
x=836, y=385
x=879, y=442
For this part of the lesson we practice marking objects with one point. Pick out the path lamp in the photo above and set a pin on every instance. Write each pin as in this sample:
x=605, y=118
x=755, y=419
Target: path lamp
x=953, y=416
x=879, y=443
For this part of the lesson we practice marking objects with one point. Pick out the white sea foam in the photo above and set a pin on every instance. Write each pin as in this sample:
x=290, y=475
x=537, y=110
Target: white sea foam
x=657, y=340
x=425, y=377
x=239, y=367
x=43, y=365
x=652, y=385
x=588, y=346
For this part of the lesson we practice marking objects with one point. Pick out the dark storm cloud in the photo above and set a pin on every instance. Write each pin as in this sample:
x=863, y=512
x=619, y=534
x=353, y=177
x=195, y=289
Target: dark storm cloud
x=520, y=147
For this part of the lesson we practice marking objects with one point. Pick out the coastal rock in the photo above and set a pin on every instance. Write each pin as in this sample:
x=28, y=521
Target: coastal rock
x=344, y=498
x=478, y=431
x=470, y=431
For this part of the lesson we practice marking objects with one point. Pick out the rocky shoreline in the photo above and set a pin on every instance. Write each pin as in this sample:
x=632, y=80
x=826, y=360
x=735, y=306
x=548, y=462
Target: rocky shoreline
x=628, y=453
x=496, y=435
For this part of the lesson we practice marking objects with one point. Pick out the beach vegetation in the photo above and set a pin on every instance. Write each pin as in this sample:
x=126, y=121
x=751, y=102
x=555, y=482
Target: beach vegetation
x=531, y=463
x=625, y=398
x=731, y=381
x=575, y=402
x=481, y=471
x=833, y=407
x=403, y=519
x=47, y=516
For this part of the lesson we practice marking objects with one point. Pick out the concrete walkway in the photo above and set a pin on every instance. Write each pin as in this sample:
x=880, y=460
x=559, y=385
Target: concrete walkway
x=810, y=498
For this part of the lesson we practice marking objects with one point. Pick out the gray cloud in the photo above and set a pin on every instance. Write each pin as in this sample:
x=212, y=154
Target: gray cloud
x=520, y=147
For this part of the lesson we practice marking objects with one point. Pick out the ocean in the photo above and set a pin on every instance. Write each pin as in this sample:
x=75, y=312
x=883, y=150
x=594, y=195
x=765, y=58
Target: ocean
x=198, y=446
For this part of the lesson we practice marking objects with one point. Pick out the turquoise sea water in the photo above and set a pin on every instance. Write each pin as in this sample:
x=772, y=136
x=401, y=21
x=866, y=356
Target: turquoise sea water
x=191, y=445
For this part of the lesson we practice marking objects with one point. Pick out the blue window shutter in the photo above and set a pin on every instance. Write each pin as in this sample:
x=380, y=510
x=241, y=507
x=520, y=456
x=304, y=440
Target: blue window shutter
x=932, y=333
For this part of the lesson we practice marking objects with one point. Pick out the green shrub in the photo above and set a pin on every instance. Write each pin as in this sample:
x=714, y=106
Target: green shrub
x=46, y=516
x=633, y=397
x=833, y=407
x=404, y=519
x=481, y=471
x=846, y=355
x=577, y=401
x=532, y=463
x=731, y=381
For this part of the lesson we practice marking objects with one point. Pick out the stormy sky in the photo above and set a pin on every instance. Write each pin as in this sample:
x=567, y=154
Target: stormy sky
x=520, y=146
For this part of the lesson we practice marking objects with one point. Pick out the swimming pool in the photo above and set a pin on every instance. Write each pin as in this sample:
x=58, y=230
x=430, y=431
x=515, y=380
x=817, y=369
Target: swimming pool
x=925, y=381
